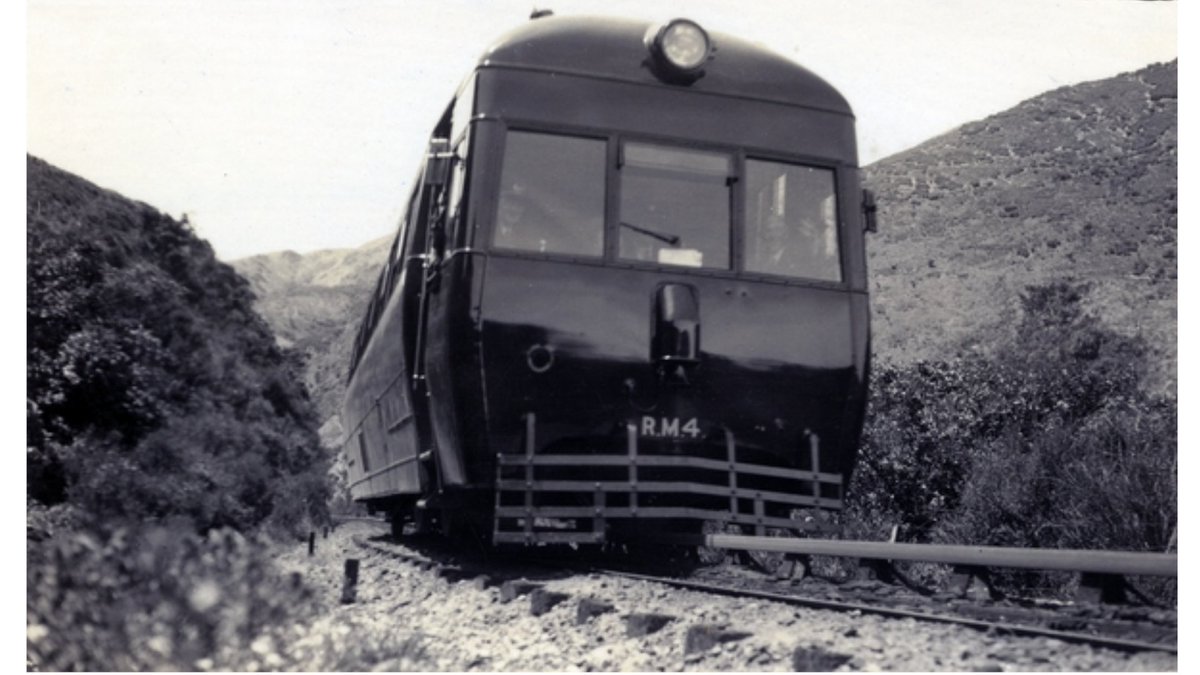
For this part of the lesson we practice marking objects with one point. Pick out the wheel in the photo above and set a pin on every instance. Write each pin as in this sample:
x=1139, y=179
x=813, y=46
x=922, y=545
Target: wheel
x=397, y=515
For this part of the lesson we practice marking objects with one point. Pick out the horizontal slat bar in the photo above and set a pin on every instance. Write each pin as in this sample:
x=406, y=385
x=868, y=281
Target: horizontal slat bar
x=644, y=512
x=502, y=537
x=669, y=461
x=1072, y=560
x=644, y=487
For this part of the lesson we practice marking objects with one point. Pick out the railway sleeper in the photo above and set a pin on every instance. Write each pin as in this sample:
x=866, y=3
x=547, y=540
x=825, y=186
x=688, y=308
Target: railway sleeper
x=1109, y=589
x=703, y=637
x=591, y=607
x=542, y=601
x=974, y=582
x=515, y=588
x=638, y=625
x=876, y=570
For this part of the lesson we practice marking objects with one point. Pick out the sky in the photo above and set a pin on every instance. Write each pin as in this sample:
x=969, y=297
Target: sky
x=298, y=124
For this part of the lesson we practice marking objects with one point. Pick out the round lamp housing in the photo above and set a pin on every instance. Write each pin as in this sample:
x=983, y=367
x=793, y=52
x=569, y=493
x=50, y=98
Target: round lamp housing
x=679, y=49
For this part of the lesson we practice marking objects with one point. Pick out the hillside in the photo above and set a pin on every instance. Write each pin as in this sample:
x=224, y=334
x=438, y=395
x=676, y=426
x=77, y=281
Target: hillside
x=313, y=302
x=153, y=388
x=1079, y=183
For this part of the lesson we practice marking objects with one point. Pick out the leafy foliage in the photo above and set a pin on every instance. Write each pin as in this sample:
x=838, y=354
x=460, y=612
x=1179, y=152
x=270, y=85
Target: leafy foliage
x=153, y=389
x=154, y=598
x=1049, y=442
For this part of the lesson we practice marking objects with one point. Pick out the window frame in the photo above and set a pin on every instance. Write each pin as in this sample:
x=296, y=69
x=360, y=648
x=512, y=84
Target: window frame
x=839, y=223
x=615, y=138
x=731, y=185
x=494, y=196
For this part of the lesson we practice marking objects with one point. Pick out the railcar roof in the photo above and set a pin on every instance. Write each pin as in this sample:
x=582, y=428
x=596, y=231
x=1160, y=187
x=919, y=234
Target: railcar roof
x=614, y=49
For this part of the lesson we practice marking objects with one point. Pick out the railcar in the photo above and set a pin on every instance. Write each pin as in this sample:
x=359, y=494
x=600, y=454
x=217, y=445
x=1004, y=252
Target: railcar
x=628, y=296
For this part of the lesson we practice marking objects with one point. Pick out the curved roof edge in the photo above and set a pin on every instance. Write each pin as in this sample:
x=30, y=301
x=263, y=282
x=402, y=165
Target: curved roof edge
x=614, y=49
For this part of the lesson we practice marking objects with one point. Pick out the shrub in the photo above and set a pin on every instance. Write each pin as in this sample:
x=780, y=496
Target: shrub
x=1047, y=443
x=153, y=598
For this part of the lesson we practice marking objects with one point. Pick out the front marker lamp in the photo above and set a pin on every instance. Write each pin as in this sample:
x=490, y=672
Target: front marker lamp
x=680, y=48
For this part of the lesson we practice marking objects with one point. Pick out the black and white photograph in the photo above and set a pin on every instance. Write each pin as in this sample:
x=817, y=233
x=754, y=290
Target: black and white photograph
x=602, y=336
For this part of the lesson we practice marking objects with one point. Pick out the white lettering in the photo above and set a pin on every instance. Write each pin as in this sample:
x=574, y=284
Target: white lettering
x=692, y=428
x=670, y=427
x=647, y=426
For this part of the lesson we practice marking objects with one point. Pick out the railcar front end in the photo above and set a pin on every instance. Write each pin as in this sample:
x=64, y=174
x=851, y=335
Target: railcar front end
x=641, y=302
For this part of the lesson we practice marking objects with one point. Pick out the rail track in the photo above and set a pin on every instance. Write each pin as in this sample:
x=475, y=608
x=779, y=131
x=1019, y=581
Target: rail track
x=513, y=571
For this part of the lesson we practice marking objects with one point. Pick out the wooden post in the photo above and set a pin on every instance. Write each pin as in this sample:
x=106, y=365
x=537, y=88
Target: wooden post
x=312, y=542
x=350, y=584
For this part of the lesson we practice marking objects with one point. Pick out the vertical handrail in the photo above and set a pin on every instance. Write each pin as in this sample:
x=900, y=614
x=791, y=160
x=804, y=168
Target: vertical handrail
x=530, y=444
x=599, y=503
x=814, y=448
x=731, y=455
x=632, y=447
x=497, y=491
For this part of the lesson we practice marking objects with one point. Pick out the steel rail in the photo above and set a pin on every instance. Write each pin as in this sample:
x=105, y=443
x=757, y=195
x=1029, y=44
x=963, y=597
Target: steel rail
x=892, y=612
x=1070, y=560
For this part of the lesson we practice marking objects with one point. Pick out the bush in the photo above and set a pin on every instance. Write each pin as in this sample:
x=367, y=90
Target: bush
x=209, y=469
x=1047, y=443
x=153, y=598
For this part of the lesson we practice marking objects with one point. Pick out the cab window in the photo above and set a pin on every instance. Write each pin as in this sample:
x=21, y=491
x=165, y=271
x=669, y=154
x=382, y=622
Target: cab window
x=791, y=221
x=551, y=194
x=675, y=206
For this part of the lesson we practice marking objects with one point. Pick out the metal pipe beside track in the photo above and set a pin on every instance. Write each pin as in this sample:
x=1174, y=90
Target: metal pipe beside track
x=1070, y=560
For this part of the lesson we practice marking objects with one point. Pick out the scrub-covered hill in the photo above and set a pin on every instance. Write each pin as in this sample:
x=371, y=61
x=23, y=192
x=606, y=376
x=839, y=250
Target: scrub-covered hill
x=1077, y=184
x=154, y=389
x=314, y=303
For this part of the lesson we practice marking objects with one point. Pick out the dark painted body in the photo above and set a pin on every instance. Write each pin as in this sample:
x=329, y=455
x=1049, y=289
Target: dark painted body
x=571, y=339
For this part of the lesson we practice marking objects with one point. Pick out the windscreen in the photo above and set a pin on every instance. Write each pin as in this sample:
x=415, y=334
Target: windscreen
x=675, y=206
x=551, y=194
x=791, y=221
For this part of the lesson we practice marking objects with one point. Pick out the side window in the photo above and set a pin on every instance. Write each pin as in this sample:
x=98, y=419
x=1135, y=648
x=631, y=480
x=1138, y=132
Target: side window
x=551, y=194
x=675, y=205
x=791, y=221
x=394, y=264
x=362, y=453
x=460, y=139
x=458, y=185
x=463, y=109
x=400, y=249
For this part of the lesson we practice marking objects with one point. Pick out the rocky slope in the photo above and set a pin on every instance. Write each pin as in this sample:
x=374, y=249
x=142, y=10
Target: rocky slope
x=314, y=302
x=1078, y=183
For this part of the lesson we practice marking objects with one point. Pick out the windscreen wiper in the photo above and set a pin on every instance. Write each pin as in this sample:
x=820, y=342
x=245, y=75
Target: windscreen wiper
x=671, y=239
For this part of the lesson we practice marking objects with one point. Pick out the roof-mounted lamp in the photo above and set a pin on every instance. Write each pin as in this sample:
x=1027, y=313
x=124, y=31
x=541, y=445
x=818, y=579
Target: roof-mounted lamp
x=679, y=49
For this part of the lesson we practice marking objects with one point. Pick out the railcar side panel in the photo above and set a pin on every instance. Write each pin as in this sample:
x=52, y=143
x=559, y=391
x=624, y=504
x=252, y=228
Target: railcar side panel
x=382, y=441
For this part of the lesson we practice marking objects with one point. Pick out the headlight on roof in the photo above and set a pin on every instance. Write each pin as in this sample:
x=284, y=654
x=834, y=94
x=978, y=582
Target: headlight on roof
x=679, y=48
